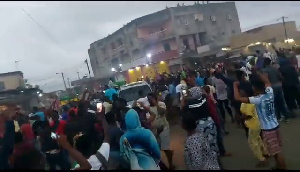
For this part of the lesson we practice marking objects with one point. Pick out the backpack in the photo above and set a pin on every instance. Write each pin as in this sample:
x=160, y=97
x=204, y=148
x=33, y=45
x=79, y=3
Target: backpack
x=130, y=155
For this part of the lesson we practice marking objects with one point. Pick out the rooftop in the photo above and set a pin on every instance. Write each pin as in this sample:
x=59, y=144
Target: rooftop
x=157, y=14
x=11, y=73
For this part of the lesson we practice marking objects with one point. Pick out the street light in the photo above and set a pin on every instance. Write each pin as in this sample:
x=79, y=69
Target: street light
x=113, y=69
x=149, y=55
x=120, y=65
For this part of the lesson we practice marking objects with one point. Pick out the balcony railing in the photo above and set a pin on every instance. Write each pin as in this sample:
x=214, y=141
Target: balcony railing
x=203, y=49
x=162, y=56
x=160, y=35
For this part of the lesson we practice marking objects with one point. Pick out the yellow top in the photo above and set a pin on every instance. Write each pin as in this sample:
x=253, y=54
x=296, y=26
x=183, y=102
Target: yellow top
x=17, y=127
x=249, y=110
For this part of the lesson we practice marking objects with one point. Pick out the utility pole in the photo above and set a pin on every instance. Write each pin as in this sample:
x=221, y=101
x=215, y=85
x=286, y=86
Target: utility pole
x=78, y=75
x=69, y=83
x=63, y=77
x=283, y=22
x=87, y=64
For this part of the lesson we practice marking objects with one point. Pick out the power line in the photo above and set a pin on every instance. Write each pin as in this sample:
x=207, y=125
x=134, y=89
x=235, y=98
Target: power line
x=40, y=26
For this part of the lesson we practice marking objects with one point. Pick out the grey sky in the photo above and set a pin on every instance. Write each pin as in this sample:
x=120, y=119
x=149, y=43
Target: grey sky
x=74, y=25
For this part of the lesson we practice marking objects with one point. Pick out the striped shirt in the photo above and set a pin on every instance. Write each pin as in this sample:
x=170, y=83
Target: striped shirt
x=264, y=104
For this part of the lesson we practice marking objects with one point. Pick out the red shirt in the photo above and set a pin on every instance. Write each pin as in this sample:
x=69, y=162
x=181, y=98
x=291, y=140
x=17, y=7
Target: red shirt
x=61, y=127
x=74, y=109
x=213, y=111
x=27, y=132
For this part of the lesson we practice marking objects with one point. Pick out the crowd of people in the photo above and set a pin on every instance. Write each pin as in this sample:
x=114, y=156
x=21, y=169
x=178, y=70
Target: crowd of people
x=84, y=136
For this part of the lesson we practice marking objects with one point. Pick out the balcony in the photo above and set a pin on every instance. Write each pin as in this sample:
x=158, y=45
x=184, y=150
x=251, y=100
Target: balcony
x=157, y=36
x=202, y=49
x=163, y=56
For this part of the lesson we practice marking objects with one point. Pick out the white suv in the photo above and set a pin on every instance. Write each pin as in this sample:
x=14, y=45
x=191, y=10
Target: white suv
x=129, y=92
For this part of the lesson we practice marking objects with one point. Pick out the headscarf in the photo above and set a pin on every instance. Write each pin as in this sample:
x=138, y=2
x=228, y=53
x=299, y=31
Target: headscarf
x=195, y=92
x=132, y=120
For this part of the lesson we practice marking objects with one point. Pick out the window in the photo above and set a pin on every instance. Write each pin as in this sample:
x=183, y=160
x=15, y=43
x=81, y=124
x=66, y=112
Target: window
x=2, y=85
x=228, y=16
x=186, y=22
x=120, y=42
x=198, y=17
x=113, y=47
x=233, y=31
x=167, y=47
x=186, y=44
x=213, y=18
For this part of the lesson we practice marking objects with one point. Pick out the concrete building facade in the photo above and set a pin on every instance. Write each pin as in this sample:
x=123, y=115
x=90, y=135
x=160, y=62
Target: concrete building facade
x=163, y=40
x=262, y=37
x=11, y=80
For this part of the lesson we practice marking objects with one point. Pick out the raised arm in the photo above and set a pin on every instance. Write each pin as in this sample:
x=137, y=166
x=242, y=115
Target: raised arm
x=237, y=95
x=264, y=77
x=76, y=155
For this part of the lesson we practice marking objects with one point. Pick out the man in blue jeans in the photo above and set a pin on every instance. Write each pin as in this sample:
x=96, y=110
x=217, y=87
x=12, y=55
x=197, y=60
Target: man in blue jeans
x=279, y=101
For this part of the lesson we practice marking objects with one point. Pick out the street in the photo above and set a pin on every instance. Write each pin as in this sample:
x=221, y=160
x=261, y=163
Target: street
x=236, y=143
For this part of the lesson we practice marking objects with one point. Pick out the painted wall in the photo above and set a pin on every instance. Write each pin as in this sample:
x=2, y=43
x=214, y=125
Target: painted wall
x=146, y=71
x=145, y=31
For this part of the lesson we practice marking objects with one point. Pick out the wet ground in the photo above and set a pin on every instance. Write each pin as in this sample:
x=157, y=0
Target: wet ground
x=236, y=143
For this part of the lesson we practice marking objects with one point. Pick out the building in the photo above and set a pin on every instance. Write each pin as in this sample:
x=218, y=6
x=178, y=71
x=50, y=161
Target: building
x=263, y=37
x=163, y=41
x=11, y=80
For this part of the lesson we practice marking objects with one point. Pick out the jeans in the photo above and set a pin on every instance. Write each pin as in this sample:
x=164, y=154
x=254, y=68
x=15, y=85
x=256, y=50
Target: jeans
x=279, y=103
x=222, y=110
x=291, y=94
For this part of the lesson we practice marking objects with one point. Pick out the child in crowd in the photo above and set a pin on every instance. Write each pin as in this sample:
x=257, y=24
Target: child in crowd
x=252, y=123
x=264, y=104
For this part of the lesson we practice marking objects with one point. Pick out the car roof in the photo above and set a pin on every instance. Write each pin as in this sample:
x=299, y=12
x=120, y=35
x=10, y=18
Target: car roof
x=133, y=84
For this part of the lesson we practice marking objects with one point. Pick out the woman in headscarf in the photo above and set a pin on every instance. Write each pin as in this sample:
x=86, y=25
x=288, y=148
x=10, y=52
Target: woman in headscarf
x=196, y=103
x=138, y=146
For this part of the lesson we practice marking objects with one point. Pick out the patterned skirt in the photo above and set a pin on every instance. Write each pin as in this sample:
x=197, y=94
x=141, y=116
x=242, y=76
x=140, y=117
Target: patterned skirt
x=209, y=130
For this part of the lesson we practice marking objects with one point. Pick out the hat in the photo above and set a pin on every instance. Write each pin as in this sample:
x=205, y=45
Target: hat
x=195, y=92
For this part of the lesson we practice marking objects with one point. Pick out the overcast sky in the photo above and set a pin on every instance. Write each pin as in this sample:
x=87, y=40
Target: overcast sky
x=66, y=30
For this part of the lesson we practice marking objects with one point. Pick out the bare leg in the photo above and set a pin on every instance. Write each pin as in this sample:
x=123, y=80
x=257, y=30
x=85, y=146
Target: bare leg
x=280, y=161
x=169, y=155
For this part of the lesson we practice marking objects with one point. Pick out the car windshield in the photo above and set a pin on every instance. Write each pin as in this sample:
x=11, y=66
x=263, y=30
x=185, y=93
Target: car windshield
x=131, y=94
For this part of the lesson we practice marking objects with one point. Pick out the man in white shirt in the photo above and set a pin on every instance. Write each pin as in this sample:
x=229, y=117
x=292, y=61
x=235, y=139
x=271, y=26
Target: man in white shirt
x=221, y=92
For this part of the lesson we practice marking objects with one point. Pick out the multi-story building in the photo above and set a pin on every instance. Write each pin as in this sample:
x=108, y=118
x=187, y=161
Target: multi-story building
x=11, y=80
x=163, y=41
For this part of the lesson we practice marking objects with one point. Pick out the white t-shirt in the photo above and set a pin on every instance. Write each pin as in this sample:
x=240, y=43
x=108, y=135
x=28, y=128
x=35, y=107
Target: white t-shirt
x=221, y=90
x=179, y=89
x=93, y=160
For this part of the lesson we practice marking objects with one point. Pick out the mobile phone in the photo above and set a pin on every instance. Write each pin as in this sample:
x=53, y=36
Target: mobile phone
x=54, y=136
x=184, y=93
x=99, y=107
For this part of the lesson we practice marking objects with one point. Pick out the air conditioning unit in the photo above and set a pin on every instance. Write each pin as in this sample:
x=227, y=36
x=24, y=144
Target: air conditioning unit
x=213, y=18
x=186, y=22
x=228, y=16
